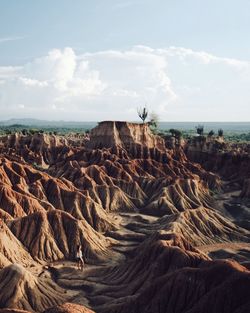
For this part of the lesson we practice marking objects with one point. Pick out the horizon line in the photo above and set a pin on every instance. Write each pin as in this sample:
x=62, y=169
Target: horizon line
x=116, y=120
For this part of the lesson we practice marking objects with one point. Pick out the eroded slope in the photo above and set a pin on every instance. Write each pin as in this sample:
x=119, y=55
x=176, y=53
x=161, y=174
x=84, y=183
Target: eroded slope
x=144, y=214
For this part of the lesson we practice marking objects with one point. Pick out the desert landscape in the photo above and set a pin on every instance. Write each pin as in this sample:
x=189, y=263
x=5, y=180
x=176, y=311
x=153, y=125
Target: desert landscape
x=164, y=222
x=124, y=156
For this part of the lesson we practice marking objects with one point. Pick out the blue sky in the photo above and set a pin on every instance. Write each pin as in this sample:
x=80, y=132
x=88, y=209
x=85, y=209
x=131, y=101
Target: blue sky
x=187, y=59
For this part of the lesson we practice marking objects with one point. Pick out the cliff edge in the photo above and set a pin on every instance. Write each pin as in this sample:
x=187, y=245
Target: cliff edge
x=114, y=133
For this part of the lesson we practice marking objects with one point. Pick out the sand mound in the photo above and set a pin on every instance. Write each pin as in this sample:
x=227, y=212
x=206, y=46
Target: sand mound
x=38, y=149
x=203, y=226
x=69, y=308
x=64, y=308
x=12, y=311
x=4, y=216
x=245, y=193
x=54, y=235
x=23, y=290
x=11, y=249
x=24, y=190
x=153, y=260
x=178, y=197
x=198, y=227
x=212, y=287
x=230, y=160
x=118, y=181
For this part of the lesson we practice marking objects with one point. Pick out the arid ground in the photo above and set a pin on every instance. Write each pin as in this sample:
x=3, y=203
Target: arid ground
x=164, y=223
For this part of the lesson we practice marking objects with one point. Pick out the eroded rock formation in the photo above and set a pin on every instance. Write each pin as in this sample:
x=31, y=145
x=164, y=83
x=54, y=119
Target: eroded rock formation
x=149, y=219
x=20, y=289
x=123, y=134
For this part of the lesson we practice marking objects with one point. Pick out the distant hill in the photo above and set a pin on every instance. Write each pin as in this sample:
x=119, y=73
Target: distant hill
x=44, y=123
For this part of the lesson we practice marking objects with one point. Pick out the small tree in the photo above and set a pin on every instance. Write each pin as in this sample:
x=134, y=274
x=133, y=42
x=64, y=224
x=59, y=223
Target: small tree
x=33, y=131
x=175, y=133
x=7, y=132
x=220, y=132
x=143, y=114
x=153, y=122
x=200, y=129
x=211, y=133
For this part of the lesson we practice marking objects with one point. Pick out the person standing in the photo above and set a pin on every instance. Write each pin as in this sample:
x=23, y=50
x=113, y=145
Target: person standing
x=79, y=257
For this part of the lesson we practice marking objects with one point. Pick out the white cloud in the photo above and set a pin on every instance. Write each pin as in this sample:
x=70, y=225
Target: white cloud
x=9, y=71
x=204, y=57
x=33, y=82
x=14, y=38
x=177, y=83
x=57, y=67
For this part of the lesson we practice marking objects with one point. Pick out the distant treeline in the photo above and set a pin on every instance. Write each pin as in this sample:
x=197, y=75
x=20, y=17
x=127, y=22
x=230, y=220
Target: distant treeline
x=25, y=129
x=179, y=132
x=199, y=130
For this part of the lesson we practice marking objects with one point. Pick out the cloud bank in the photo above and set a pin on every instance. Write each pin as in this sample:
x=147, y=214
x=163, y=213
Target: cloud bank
x=177, y=83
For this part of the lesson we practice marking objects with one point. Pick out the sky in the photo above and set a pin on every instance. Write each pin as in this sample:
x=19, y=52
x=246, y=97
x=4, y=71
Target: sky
x=92, y=60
